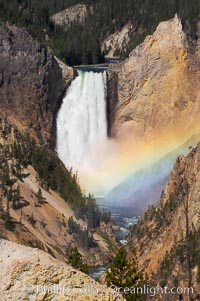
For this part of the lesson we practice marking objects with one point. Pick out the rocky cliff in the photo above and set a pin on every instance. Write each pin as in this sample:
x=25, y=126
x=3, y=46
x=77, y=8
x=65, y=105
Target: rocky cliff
x=31, y=83
x=153, y=101
x=117, y=41
x=158, y=91
x=30, y=274
x=167, y=238
x=65, y=18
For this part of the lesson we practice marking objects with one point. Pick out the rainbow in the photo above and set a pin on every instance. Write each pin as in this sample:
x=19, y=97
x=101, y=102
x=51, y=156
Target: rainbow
x=119, y=170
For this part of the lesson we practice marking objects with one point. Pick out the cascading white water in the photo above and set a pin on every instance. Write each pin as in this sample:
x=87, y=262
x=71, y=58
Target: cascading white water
x=81, y=121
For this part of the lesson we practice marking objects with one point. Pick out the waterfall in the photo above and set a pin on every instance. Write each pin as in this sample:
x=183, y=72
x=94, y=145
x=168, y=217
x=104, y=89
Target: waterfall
x=81, y=120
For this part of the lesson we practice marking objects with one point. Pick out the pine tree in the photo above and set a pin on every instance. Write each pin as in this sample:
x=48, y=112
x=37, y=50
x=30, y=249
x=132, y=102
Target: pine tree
x=7, y=218
x=1, y=207
x=5, y=175
x=124, y=272
x=16, y=198
x=39, y=196
x=75, y=259
x=32, y=220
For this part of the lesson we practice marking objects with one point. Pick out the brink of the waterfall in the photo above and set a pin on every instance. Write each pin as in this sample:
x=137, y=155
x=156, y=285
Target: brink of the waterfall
x=81, y=120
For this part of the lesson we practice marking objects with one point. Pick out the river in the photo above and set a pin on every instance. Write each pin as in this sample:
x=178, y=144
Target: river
x=122, y=234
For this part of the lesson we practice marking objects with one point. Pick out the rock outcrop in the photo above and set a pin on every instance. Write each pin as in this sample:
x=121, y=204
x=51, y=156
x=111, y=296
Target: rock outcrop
x=117, y=41
x=186, y=170
x=154, y=108
x=30, y=274
x=31, y=83
x=72, y=14
x=158, y=86
x=169, y=234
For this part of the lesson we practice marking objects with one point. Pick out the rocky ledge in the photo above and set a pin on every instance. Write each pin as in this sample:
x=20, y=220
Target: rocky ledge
x=30, y=274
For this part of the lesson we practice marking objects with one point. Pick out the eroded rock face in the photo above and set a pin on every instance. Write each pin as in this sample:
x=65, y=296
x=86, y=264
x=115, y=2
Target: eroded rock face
x=186, y=170
x=31, y=82
x=164, y=229
x=72, y=14
x=117, y=40
x=158, y=86
x=30, y=274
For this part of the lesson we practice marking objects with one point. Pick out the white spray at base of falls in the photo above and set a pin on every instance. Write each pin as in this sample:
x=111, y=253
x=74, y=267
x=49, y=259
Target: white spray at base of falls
x=81, y=121
x=104, y=163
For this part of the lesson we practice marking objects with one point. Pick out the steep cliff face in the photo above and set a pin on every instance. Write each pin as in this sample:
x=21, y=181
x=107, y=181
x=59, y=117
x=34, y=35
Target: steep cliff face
x=167, y=238
x=31, y=83
x=30, y=274
x=153, y=100
x=158, y=91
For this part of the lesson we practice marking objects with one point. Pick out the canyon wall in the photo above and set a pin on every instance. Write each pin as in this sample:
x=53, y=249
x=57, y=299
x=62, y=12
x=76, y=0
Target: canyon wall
x=158, y=86
x=167, y=237
x=154, y=110
x=32, y=84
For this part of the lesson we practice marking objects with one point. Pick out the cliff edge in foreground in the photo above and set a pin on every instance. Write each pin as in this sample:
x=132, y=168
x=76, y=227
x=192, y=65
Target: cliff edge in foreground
x=30, y=274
